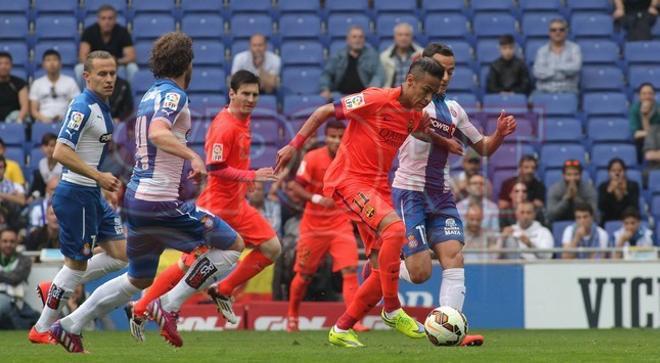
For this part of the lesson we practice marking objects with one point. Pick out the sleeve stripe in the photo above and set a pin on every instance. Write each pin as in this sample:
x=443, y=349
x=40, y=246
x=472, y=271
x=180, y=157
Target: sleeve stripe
x=339, y=111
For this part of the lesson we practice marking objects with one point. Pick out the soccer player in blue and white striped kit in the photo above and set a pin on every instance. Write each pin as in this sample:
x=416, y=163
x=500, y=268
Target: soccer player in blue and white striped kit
x=421, y=194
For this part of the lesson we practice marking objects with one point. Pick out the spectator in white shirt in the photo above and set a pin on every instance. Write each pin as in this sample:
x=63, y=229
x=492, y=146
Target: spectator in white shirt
x=528, y=233
x=632, y=233
x=50, y=94
x=261, y=62
x=584, y=233
x=477, y=195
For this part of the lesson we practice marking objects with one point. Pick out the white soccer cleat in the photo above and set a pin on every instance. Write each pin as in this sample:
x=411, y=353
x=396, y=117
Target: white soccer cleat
x=224, y=304
x=135, y=323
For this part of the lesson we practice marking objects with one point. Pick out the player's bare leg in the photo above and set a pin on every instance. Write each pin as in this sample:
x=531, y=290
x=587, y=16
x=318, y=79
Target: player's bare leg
x=417, y=268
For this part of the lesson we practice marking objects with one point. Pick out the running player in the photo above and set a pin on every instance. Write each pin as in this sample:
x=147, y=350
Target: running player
x=422, y=195
x=155, y=217
x=85, y=219
x=324, y=228
x=228, y=160
x=379, y=122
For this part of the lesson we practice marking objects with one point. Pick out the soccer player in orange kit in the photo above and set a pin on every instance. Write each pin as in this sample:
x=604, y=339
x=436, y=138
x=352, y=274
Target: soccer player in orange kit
x=380, y=119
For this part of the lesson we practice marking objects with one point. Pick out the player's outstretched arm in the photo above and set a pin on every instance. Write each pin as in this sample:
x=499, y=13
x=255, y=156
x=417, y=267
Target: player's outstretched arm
x=301, y=192
x=160, y=134
x=506, y=125
x=68, y=157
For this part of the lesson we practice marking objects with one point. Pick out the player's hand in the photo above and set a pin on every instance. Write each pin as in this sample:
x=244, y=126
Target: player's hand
x=507, y=231
x=284, y=155
x=653, y=10
x=198, y=172
x=618, y=13
x=506, y=124
x=108, y=182
x=265, y=175
x=454, y=147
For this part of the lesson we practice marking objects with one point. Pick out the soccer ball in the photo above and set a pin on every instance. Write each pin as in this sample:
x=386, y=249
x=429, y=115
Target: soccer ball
x=445, y=326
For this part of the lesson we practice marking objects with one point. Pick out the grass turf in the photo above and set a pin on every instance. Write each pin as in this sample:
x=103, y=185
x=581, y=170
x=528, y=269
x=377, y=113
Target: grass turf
x=382, y=346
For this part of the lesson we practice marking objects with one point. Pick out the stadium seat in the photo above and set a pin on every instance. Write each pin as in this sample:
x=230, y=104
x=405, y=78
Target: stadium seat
x=601, y=78
x=655, y=205
x=603, y=153
x=151, y=26
x=499, y=177
x=338, y=24
x=301, y=105
x=143, y=50
x=203, y=26
x=493, y=24
x=605, y=103
x=395, y=6
x=539, y=5
x=463, y=80
x=201, y=6
x=15, y=7
x=524, y=130
x=300, y=26
x=153, y=6
x=12, y=133
x=555, y=104
x=208, y=80
x=266, y=131
x=262, y=155
x=208, y=52
x=15, y=153
x=297, y=6
x=643, y=74
x=608, y=130
x=508, y=155
x=554, y=155
x=445, y=26
x=244, y=25
x=92, y=6
x=18, y=50
x=142, y=80
x=642, y=52
x=463, y=52
x=535, y=25
x=198, y=132
x=468, y=101
x=346, y=6
x=13, y=27
x=603, y=6
x=634, y=175
x=488, y=51
x=306, y=52
x=56, y=27
x=654, y=181
x=531, y=48
x=34, y=157
x=611, y=227
x=206, y=106
x=599, y=51
x=68, y=51
x=385, y=23
x=592, y=25
x=39, y=129
x=445, y=6
x=252, y=6
x=558, y=231
x=512, y=103
x=562, y=130
x=42, y=7
x=301, y=80
x=492, y=5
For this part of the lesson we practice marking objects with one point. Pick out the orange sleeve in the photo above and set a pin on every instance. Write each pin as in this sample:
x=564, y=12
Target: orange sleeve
x=360, y=106
x=218, y=146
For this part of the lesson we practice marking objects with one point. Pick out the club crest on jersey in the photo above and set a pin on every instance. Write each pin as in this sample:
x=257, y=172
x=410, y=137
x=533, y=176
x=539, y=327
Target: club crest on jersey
x=171, y=101
x=216, y=155
x=412, y=241
x=105, y=138
x=207, y=221
x=353, y=102
x=75, y=120
x=369, y=211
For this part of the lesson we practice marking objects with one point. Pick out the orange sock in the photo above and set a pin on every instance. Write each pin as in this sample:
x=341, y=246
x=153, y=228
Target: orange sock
x=163, y=283
x=297, y=294
x=389, y=260
x=349, y=287
x=366, y=297
x=251, y=265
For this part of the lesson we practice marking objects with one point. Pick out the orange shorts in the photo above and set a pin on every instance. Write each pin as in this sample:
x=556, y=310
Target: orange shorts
x=313, y=245
x=366, y=206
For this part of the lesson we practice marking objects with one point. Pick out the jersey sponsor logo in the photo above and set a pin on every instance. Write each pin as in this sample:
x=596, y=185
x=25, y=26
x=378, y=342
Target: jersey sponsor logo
x=452, y=228
x=203, y=270
x=443, y=127
x=354, y=102
x=217, y=152
x=392, y=137
x=171, y=101
x=105, y=138
x=75, y=120
x=119, y=229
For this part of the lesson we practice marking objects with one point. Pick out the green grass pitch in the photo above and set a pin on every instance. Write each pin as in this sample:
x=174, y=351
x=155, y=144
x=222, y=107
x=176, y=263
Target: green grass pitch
x=382, y=346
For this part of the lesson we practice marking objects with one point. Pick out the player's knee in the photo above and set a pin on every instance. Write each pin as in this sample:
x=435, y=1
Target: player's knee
x=392, y=225
x=452, y=259
x=116, y=249
x=238, y=245
x=271, y=248
x=419, y=274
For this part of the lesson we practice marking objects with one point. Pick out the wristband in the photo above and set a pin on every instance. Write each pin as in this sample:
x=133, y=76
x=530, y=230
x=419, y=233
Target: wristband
x=298, y=141
x=316, y=198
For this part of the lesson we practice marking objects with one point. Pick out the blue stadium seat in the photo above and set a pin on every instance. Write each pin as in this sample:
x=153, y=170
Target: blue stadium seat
x=446, y=26
x=601, y=78
x=642, y=52
x=39, y=129
x=203, y=26
x=68, y=51
x=531, y=48
x=34, y=157
x=208, y=52
x=338, y=24
x=267, y=105
x=198, y=132
x=467, y=100
x=603, y=153
x=344, y=6
x=562, y=130
x=300, y=26
x=539, y=5
x=91, y=19
x=554, y=155
x=385, y=23
x=524, y=130
x=151, y=26
x=444, y=6
x=16, y=7
x=301, y=80
x=493, y=24
x=42, y=7
x=655, y=205
x=608, y=129
x=536, y=25
x=208, y=79
x=199, y=149
x=499, y=177
x=558, y=230
x=602, y=175
x=153, y=6
x=599, y=51
x=463, y=52
x=56, y=27
x=642, y=74
x=244, y=25
x=91, y=6
x=12, y=133
x=298, y=6
x=306, y=52
x=492, y=5
x=18, y=50
x=262, y=155
x=266, y=131
x=488, y=51
x=142, y=80
x=15, y=153
x=655, y=31
x=592, y=25
x=605, y=103
x=301, y=105
x=206, y=105
x=603, y=6
x=464, y=80
x=556, y=104
x=395, y=6
x=143, y=49
x=13, y=27
x=508, y=155
x=512, y=103
x=201, y=6
x=252, y=6
x=654, y=181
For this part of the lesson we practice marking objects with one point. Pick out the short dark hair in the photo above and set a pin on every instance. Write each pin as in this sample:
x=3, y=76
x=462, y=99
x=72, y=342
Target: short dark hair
x=631, y=212
x=528, y=157
x=51, y=52
x=242, y=77
x=616, y=161
x=584, y=207
x=171, y=55
x=506, y=39
x=437, y=48
x=97, y=54
x=47, y=138
x=427, y=65
x=334, y=124
x=4, y=54
x=571, y=163
x=106, y=7
x=639, y=89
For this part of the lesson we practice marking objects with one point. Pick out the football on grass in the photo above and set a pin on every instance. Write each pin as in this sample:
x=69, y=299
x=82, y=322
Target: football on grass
x=445, y=326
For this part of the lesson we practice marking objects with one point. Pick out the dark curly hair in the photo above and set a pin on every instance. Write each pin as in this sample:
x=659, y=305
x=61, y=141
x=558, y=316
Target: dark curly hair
x=171, y=55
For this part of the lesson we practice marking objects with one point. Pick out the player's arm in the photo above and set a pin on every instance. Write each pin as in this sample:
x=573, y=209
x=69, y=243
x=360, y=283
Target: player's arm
x=161, y=135
x=68, y=157
x=506, y=125
x=302, y=180
x=15, y=197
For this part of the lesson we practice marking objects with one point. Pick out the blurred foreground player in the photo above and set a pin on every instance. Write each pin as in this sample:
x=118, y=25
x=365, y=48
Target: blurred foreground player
x=155, y=217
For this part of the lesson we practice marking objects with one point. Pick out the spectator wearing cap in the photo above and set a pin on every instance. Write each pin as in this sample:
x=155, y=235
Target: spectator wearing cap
x=13, y=93
x=565, y=194
x=397, y=58
x=632, y=233
x=584, y=233
x=12, y=170
x=51, y=94
x=260, y=61
x=558, y=63
x=527, y=167
x=477, y=191
x=617, y=193
x=508, y=73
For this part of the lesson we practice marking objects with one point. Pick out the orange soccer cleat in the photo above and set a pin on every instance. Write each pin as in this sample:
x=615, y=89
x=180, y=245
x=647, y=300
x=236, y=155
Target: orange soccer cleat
x=358, y=327
x=292, y=324
x=472, y=341
x=40, y=338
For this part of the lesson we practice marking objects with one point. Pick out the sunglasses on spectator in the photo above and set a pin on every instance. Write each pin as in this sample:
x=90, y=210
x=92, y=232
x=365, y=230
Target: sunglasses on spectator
x=53, y=94
x=575, y=163
x=557, y=30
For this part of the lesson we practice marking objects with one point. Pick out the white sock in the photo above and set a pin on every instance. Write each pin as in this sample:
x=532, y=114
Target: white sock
x=209, y=268
x=100, y=265
x=403, y=272
x=62, y=286
x=392, y=313
x=452, y=288
x=340, y=330
x=106, y=298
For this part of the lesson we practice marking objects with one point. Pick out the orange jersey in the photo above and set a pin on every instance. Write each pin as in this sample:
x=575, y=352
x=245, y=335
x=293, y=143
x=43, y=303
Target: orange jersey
x=227, y=141
x=378, y=126
x=310, y=174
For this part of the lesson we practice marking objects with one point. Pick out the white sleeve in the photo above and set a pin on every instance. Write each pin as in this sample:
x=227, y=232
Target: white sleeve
x=464, y=125
x=604, y=238
x=647, y=239
x=238, y=62
x=34, y=95
x=545, y=240
x=73, y=89
x=567, y=236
